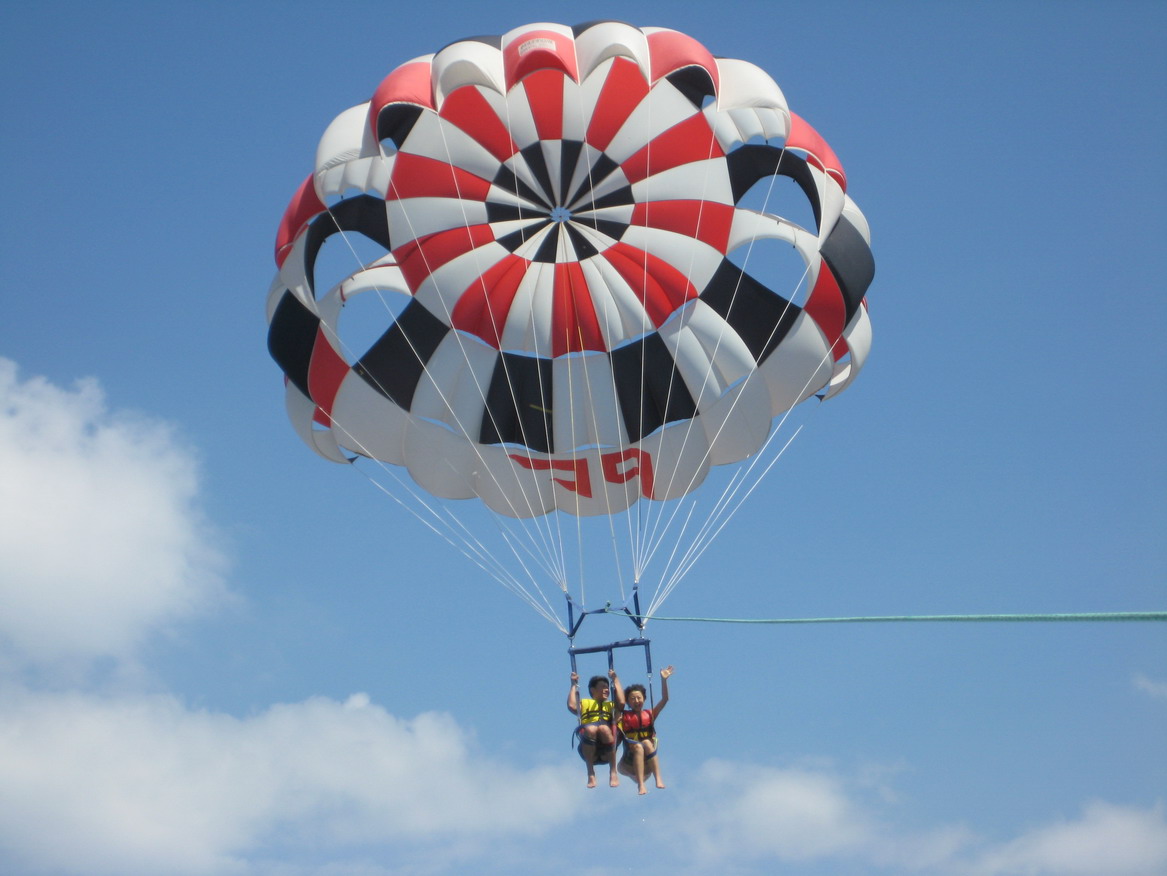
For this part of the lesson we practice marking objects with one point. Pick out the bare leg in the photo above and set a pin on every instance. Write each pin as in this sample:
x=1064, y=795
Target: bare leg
x=589, y=736
x=654, y=768
x=652, y=762
x=587, y=748
x=604, y=737
x=638, y=765
x=632, y=765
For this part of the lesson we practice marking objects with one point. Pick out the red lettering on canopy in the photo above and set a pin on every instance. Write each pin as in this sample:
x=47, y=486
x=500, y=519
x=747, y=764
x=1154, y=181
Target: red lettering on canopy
x=578, y=467
x=641, y=467
x=618, y=467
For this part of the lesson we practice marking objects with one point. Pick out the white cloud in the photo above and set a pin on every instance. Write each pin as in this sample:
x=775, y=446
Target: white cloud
x=102, y=545
x=753, y=819
x=101, y=541
x=144, y=785
x=751, y=816
x=1107, y=840
x=790, y=815
x=1156, y=689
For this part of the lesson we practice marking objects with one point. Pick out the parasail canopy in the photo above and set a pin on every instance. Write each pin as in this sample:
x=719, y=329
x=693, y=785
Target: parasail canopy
x=579, y=306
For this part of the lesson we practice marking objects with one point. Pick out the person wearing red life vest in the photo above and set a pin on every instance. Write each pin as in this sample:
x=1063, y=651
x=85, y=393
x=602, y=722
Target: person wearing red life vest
x=597, y=723
x=638, y=728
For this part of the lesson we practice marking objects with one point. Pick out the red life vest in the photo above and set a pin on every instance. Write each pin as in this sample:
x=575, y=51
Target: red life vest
x=637, y=725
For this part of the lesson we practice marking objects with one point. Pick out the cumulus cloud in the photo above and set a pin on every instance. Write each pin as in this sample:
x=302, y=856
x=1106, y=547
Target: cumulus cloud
x=145, y=785
x=101, y=541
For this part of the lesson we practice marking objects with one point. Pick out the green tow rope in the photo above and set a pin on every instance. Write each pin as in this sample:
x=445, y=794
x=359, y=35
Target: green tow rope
x=944, y=618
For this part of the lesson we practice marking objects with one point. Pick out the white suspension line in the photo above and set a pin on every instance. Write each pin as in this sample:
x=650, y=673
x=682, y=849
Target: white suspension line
x=494, y=322
x=748, y=472
x=648, y=535
x=660, y=533
x=617, y=421
x=478, y=555
x=531, y=515
x=472, y=549
x=705, y=539
x=667, y=585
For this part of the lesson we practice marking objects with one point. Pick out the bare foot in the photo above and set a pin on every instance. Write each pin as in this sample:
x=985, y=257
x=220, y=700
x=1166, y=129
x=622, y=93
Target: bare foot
x=614, y=781
x=642, y=790
x=591, y=781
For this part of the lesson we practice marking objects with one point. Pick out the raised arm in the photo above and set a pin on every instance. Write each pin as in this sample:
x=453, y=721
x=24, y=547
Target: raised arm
x=617, y=691
x=573, y=695
x=664, y=691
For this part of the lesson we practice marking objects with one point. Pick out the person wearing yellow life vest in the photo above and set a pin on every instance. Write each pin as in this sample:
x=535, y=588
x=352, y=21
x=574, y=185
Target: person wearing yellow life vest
x=638, y=727
x=597, y=723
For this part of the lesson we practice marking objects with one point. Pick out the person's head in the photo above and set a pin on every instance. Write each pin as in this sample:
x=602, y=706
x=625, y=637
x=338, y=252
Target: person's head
x=635, y=695
x=598, y=687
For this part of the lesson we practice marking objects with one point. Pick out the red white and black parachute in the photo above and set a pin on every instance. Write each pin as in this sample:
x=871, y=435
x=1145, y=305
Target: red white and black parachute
x=573, y=318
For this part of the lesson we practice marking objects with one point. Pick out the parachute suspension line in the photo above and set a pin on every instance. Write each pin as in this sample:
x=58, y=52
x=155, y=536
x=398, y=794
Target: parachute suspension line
x=646, y=546
x=471, y=548
x=465, y=542
x=608, y=388
x=417, y=497
x=576, y=444
x=729, y=495
x=494, y=322
x=732, y=489
x=688, y=431
x=561, y=256
x=735, y=477
x=717, y=521
x=641, y=512
x=540, y=527
x=676, y=547
x=556, y=536
x=458, y=524
x=380, y=293
x=661, y=534
x=516, y=545
x=710, y=532
x=476, y=551
x=508, y=537
x=594, y=408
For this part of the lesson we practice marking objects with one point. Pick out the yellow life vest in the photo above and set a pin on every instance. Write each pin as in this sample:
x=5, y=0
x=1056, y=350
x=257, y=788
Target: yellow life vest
x=594, y=712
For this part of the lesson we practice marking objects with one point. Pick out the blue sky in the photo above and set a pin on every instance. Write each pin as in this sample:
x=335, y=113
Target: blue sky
x=221, y=654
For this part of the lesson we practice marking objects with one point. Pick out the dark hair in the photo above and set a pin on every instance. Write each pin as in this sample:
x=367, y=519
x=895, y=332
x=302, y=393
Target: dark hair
x=632, y=687
x=596, y=679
